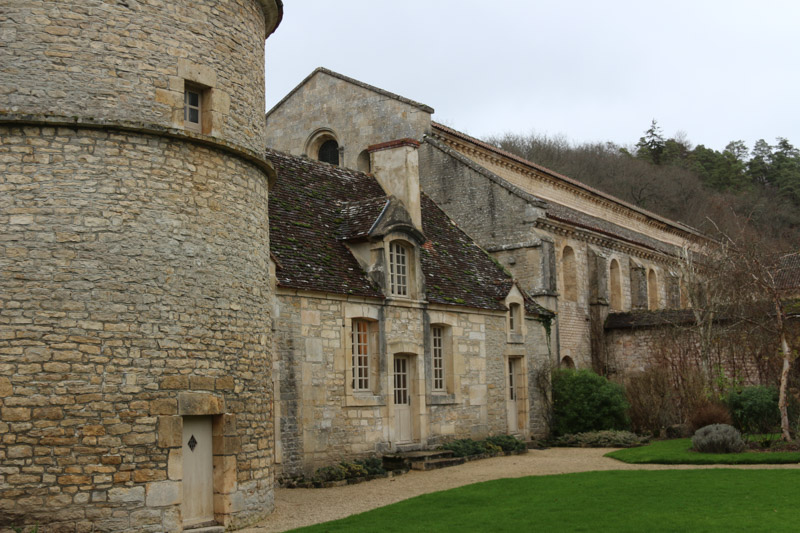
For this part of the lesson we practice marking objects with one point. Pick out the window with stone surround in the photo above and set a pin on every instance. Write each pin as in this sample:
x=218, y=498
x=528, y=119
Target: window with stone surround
x=441, y=378
x=398, y=269
x=196, y=108
x=438, y=359
x=361, y=355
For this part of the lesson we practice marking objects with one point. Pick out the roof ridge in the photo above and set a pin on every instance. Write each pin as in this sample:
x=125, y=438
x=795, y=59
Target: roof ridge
x=571, y=181
x=348, y=79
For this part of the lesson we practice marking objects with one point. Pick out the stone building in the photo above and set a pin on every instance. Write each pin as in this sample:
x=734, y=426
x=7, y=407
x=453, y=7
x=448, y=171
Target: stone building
x=576, y=250
x=135, y=389
x=394, y=330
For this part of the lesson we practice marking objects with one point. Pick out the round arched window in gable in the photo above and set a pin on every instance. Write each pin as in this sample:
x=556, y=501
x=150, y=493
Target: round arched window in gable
x=329, y=152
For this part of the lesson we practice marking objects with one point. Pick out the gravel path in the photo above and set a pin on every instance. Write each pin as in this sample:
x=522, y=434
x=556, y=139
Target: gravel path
x=302, y=507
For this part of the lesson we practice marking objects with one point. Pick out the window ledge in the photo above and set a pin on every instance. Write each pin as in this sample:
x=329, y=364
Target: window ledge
x=441, y=398
x=516, y=338
x=363, y=399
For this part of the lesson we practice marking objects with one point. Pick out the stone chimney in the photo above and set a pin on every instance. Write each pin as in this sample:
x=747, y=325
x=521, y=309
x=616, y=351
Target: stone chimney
x=395, y=164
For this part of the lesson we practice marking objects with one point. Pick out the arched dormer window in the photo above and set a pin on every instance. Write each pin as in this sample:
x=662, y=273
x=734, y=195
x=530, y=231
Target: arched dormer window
x=569, y=273
x=323, y=145
x=398, y=269
x=329, y=152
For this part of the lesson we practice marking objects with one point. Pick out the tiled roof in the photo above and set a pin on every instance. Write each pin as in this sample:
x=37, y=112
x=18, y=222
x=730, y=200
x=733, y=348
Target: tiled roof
x=305, y=214
x=456, y=269
x=562, y=177
x=576, y=218
x=314, y=206
x=788, y=277
x=359, y=217
x=647, y=319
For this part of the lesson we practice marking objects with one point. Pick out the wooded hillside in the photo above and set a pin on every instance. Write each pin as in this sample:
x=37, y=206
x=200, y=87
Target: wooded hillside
x=699, y=186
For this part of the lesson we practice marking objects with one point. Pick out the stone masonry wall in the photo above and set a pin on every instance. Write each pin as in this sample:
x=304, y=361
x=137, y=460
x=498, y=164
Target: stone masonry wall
x=119, y=291
x=129, y=60
x=322, y=423
x=359, y=117
x=134, y=261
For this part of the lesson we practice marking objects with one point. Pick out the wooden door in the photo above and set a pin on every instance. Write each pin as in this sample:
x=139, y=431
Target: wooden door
x=402, y=400
x=198, y=473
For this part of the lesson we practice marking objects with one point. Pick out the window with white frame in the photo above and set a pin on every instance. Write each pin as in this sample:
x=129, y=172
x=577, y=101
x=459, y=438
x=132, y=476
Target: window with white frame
x=361, y=355
x=438, y=359
x=398, y=269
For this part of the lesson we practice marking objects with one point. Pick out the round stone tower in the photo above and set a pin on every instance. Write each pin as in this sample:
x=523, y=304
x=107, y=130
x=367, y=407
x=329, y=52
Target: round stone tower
x=135, y=388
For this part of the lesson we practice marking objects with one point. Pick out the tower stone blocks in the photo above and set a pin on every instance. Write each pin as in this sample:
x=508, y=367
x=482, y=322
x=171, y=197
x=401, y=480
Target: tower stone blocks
x=134, y=261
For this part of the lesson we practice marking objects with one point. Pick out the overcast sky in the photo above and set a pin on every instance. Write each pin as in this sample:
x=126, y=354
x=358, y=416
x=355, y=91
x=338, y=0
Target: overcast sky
x=589, y=70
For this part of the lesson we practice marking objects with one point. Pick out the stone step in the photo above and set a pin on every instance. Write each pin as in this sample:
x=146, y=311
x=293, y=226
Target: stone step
x=206, y=529
x=433, y=464
x=410, y=447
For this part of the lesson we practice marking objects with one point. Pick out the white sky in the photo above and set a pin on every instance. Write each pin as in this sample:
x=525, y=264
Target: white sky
x=588, y=69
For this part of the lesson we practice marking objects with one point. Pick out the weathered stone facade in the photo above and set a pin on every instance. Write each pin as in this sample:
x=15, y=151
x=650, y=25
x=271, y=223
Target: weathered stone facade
x=134, y=281
x=579, y=251
x=367, y=367
x=323, y=421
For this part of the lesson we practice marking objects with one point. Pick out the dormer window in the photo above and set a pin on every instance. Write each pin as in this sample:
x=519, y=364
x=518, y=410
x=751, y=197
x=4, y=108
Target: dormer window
x=398, y=269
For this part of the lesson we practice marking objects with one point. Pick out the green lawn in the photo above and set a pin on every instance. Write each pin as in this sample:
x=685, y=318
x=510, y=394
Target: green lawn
x=617, y=501
x=676, y=452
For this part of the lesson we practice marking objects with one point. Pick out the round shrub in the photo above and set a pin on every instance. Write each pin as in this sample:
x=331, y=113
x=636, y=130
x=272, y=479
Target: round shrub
x=718, y=438
x=584, y=401
x=755, y=409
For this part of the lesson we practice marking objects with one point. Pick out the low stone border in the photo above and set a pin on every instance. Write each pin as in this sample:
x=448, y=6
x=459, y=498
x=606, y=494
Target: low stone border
x=292, y=484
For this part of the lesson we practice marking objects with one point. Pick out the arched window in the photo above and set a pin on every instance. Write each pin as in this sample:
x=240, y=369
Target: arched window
x=398, y=269
x=329, y=152
x=567, y=362
x=652, y=290
x=570, y=274
x=615, y=279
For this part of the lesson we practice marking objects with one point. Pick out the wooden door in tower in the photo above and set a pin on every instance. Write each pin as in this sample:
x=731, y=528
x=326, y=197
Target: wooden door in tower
x=198, y=473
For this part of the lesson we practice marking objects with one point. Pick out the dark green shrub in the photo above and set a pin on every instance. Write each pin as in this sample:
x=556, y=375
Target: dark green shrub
x=755, y=410
x=718, y=438
x=330, y=473
x=353, y=470
x=466, y=447
x=373, y=466
x=507, y=443
x=584, y=401
x=491, y=446
x=601, y=439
